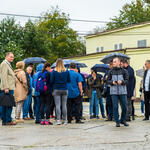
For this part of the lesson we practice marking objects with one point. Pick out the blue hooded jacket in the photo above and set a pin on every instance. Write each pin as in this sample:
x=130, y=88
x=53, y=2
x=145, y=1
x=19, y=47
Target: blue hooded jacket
x=35, y=76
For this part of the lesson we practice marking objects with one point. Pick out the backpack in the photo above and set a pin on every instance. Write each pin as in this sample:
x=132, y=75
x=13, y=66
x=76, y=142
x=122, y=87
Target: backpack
x=41, y=85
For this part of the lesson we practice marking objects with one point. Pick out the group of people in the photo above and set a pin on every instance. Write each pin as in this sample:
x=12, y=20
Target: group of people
x=61, y=91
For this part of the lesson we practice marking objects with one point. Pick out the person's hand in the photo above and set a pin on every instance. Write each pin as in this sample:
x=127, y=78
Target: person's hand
x=7, y=91
x=119, y=82
x=114, y=83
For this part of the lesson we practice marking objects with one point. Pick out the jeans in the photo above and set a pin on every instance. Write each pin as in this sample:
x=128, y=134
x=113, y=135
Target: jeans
x=60, y=98
x=94, y=101
x=123, y=103
x=142, y=106
x=26, y=106
x=6, y=111
x=37, y=110
x=102, y=106
x=109, y=106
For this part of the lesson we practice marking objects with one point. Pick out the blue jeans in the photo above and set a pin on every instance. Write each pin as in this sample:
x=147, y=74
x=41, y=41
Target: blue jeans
x=101, y=106
x=0, y=112
x=109, y=105
x=123, y=103
x=6, y=111
x=142, y=106
x=26, y=106
x=94, y=101
x=37, y=109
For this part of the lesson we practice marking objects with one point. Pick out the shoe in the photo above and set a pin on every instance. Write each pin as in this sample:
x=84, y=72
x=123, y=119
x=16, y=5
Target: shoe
x=97, y=117
x=69, y=122
x=26, y=118
x=42, y=123
x=37, y=122
x=4, y=124
x=32, y=118
x=145, y=119
x=58, y=122
x=83, y=118
x=109, y=119
x=52, y=116
x=117, y=124
x=48, y=123
x=64, y=123
x=91, y=117
x=124, y=123
x=12, y=123
x=103, y=116
x=79, y=122
x=128, y=119
x=19, y=121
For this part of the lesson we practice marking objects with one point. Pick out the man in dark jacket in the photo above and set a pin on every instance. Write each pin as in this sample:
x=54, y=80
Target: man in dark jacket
x=118, y=79
x=130, y=87
x=146, y=88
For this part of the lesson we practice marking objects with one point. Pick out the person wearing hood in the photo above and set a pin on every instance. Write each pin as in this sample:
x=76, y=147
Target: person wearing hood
x=21, y=89
x=37, y=94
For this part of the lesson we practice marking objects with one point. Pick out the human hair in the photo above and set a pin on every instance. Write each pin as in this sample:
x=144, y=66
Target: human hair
x=8, y=53
x=20, y=65
x=148, y=61
x=125, y=61
x=60, y=65
x=45, y=66
x=73, y=66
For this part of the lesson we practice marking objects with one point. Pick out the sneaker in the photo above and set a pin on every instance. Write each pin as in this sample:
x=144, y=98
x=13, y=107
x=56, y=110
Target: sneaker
x=117, y=124
x=42, y=123
x=48, y=123
x=37, y=122
x=103, y=116
x=124, y=123
x=79, y=122
x=91, y=117
x=97, y=117
x=19, y=121
x=12, y=123
x=145, y=119
x=58, y=122
x=64, y=123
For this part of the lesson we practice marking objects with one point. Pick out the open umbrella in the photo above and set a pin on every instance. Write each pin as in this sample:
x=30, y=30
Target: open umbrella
x=67, y=62
x=101, y=68
x=140, y=73
x=108, y=58
x=34, y=60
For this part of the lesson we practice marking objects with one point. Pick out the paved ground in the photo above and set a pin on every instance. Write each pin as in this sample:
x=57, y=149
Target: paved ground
x=93, y=135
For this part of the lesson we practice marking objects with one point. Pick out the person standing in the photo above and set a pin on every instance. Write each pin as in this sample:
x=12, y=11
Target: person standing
x=44, y=87
x=59, y=79
x=94, y=93
x=130, y=87
x=146, y=89
x=21, y=89
x=118, y=79
x=75, y=93
x=7, y=86
x=37, y=94
x=27, y=102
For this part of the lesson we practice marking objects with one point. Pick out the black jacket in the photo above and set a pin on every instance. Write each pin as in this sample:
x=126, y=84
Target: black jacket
x=145, y=73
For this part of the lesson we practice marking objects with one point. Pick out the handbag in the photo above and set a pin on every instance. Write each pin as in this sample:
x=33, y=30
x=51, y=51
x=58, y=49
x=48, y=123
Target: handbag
x=7, y=100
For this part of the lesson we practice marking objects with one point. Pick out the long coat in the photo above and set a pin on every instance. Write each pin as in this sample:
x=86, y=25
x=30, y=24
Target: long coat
x=97, y=86
x=7, y=76
x=21, y=90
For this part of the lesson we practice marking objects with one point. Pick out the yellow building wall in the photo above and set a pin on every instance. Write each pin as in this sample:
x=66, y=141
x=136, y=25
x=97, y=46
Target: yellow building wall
x=128, y=38
x=137, y=61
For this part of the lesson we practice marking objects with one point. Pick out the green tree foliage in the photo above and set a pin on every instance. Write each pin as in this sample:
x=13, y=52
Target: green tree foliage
x=49, y=37
x=132, y=13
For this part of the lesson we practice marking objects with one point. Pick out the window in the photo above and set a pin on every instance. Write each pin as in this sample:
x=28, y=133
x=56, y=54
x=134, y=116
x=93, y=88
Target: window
x=99, y=49
x=142, y=43
x=115, y=46
x=120, y=46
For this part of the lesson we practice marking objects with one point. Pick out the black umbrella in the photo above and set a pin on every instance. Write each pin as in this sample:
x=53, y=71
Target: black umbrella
x=108, y=58
x=34, y=60
x=101, y=68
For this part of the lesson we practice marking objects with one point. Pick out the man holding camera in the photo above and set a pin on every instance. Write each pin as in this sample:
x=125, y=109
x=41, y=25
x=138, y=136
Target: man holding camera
x=118, y=79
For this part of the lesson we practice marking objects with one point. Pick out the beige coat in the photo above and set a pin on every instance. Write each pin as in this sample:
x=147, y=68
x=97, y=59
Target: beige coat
x=21, y=90
x=7, y=76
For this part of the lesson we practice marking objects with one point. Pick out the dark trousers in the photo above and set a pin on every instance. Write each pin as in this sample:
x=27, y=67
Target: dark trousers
x=123, y=103
x=77, y=102
x=52, y=105
x=129, y=108
x=109, y=106
x=45, y=102
x=133, y=110
x=147, y=104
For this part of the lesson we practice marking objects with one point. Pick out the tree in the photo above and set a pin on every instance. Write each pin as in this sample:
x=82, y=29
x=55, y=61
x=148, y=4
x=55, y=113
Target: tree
x=133, y=13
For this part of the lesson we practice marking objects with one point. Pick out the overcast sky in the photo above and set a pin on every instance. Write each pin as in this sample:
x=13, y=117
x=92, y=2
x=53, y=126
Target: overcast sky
x=101, y=10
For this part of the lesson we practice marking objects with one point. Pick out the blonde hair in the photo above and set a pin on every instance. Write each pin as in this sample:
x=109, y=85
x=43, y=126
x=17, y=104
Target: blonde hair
x=60, y=65
x=20, y=65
